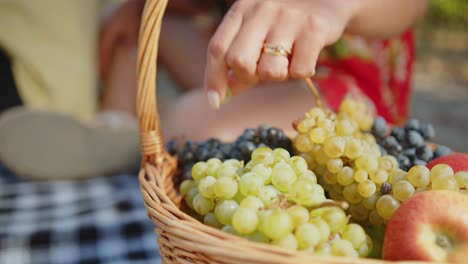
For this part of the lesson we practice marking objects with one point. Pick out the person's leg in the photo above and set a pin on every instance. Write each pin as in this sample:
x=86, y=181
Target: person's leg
x=274, y=104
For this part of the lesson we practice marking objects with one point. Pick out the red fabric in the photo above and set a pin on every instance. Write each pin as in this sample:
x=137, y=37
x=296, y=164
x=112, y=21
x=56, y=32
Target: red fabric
x=380, y=70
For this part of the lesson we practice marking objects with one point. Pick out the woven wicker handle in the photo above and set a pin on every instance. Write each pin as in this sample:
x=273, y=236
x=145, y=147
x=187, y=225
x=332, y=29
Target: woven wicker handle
x=152, y=145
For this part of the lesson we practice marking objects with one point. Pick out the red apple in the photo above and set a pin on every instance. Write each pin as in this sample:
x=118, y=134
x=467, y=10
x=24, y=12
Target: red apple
x=458, y=162
x=427, y=226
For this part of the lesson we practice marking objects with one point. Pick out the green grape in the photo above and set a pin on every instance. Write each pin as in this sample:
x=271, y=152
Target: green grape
x=397, y=175
x=230, y=230
x=226, y=170
x=269, y=195
x=262, y=216
x=375, y=218
x=421, y=189
x=263, y=155
x=419, y=176
x=344, y=128
x=190, y=195
x=360, y=175
x=258, y=237
x=210, y=219
x=202, y=205
x=327, y=124
x=441, y=170
x=299, y=214
x=359, y=212
x=206, y=187
x=252, y=202
x=283, y=176
x=386, y=205
x=245, y=220
x=308, y=176
x=366, y=248
x=355, y=234
x=343, y=248
x=305, y=125
x=307, y=194
x=277, y=224
x=388, y=163
x=263, y=171
x=334, y=147
x=281, y=154
x=307, y=235
x=224, y=211
x=351, y=193
x=289, y=242
x=369, y=202
x=366, y=188
x=353, y=148
x=334, y=165
x=316, y=113
x=250, y=184
x=213, y=165
x=199, y=170
x=335, y=217
x=298, y=164
x=330, y=178
x=345, y=176
x=323, y=228
x=309, y=159
x=238, y=197
x=462, y=179
x=402, y=190
x=186, y=186
x=234, y=162
x=225, y=187
x=447, y=183
x=303, y=143
x=368, y=163
x=379, y=176
x=323, y=249
x=317, y=135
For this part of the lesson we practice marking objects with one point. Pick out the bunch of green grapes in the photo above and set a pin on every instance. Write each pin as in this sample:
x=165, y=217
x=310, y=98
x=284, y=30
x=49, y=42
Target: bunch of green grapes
x=350, y=167
x=273, y=199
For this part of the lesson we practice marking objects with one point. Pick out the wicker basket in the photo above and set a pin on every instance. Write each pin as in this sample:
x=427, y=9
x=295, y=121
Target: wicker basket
x=182, y=239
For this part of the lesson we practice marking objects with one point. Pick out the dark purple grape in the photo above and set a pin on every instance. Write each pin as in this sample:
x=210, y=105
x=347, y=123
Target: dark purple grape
x=190, y=145
x=424, y=153
x=386, y=188
x=383, y=151
x=412, y=124
x=427, y=131
x=379, y=128
x=390, y=143
x=203, y=154
x=226, y=149
x=246, y=148
x=414, y=139
x=213, y=143
x=249, y=134
x=398, y=133
x=404, y=162
x=419, y=162
x=172, y=147
x=442, y=151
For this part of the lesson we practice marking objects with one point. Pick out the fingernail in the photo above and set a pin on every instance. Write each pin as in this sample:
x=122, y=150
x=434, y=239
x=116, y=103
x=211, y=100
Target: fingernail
x=213, y=99
x=228, y=95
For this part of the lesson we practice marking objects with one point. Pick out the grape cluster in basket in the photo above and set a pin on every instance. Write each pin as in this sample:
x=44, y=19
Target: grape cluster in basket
x=350, y=166
x=273, y=199
x=241, y=148
x=407, y=144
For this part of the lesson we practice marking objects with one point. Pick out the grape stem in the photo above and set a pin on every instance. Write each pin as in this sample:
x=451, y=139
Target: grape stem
x=341, y=204
x=314, y=91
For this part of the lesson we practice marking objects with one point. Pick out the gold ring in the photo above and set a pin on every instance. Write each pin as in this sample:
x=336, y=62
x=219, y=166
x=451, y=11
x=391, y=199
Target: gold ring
x=278, y=50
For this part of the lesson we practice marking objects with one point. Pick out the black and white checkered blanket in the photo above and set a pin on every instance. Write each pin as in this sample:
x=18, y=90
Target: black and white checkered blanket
x=101, y=220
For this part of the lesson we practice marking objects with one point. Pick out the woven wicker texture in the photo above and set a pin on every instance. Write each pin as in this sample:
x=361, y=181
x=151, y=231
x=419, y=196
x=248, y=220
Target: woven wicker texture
x=183, y=239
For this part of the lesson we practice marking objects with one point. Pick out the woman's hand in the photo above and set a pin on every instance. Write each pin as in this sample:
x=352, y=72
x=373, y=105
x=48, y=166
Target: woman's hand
x=236, y=56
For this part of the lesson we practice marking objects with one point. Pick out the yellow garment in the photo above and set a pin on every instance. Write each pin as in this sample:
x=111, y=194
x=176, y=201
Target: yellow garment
x=53, y=48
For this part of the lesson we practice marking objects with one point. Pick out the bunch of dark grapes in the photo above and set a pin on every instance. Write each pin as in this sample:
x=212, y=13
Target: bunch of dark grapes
x=408, y=144
x=190, y=152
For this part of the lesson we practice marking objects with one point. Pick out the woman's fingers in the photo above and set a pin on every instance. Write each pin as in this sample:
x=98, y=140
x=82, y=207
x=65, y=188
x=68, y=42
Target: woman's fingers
x=305, y=54
x=246, y=48
x=274, y=61
x=216, y=79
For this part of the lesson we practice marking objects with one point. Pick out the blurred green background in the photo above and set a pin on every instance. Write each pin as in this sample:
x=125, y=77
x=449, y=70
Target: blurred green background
x=441, y=72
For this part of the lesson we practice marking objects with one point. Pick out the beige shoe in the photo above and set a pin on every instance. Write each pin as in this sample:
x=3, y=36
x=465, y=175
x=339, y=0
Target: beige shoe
x=44, y=145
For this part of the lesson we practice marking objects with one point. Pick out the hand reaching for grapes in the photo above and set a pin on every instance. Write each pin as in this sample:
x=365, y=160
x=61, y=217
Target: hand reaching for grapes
x=272, y=40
